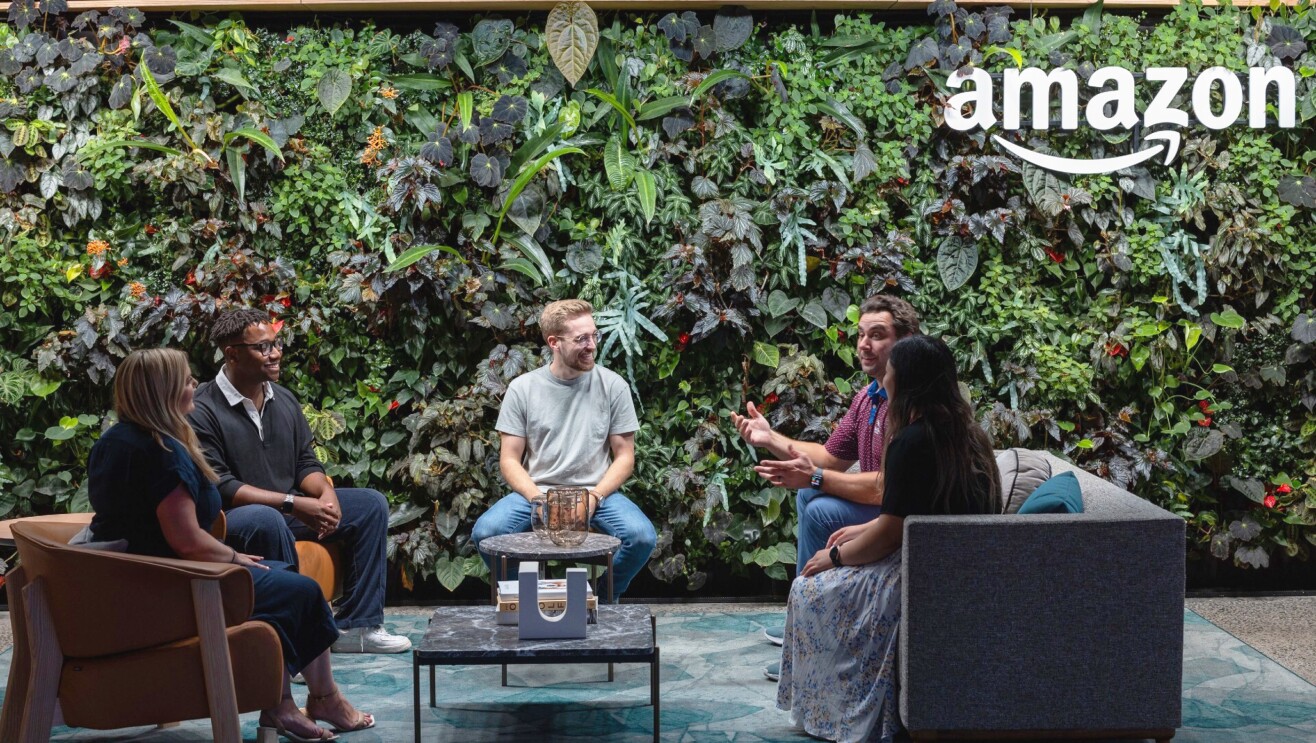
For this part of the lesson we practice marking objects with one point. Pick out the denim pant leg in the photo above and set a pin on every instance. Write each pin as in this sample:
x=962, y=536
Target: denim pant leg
x=260, y=530
x=618, y=516
x=362, y=533
x=510, y=515
x=820, y=515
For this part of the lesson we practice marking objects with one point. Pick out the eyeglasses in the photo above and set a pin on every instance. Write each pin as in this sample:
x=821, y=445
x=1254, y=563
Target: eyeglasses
x=264, y=348
x=581, y=340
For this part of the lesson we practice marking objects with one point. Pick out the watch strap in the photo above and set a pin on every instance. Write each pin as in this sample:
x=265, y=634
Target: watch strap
x=817, y=479
x=289, y=501
x=835, y=554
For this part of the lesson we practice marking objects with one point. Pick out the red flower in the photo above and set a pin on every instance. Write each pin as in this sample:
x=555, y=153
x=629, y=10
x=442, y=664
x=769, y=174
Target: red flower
x=902, y=181
x=1204, y=405
x=1205, y=422
x=1116, y=350
x=289, y=39
x=393, y=406
x=682, y=341
x=1270, y=501
x=840, y=334
x=1055, y=255
x=771, y=399
x=286, y=302
x=1284, y=489
x=276, y=325
x=151, y=229
x=100, y=272
x=191, y=278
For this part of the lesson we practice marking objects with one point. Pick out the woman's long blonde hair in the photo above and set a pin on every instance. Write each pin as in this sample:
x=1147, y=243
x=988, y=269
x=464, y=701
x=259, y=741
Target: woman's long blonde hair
x=147, y=389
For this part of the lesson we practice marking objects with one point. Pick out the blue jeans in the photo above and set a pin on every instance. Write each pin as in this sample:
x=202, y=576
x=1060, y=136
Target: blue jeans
x=362, y=532
x=616, y=515
x=820, y=515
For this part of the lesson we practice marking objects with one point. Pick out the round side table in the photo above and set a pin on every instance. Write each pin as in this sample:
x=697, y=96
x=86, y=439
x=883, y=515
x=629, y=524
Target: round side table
x=530, y=546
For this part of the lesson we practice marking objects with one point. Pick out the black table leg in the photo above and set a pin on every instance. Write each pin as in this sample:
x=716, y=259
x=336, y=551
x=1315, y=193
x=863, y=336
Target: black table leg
x=654, y=686
x=415, y=691
x=653, y=695
x=433, y=703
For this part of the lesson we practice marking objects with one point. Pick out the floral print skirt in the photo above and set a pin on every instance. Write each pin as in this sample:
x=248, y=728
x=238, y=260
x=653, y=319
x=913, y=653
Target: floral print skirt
x=838, y=661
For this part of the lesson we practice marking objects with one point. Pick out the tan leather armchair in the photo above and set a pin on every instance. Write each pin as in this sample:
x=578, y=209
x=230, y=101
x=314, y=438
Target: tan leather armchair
x=118, y=640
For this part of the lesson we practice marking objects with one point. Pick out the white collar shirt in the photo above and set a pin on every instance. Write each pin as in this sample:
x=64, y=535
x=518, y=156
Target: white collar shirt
x=234, y=397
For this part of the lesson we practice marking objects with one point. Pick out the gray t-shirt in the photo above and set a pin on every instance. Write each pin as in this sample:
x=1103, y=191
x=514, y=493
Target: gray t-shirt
x=566, y=424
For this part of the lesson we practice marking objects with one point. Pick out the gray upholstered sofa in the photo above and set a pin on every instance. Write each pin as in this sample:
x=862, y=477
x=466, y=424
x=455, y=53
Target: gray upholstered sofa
x=1044, y=626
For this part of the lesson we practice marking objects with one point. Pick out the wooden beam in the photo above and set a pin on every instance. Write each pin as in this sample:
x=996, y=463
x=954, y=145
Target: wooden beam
x=493, y=6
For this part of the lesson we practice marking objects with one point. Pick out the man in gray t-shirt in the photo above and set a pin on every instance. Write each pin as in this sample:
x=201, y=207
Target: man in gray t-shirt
x=571, y=424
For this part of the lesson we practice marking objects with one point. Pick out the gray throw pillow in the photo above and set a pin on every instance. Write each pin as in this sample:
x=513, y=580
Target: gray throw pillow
x=1022, y=471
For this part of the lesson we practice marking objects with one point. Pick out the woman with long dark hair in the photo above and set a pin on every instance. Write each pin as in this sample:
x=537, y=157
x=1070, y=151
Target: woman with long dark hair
x=150, y=485
x=838, y=666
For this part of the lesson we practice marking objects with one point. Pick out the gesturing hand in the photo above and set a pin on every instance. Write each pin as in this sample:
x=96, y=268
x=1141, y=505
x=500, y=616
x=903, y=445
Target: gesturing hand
x=752, y=426
x=793, y=473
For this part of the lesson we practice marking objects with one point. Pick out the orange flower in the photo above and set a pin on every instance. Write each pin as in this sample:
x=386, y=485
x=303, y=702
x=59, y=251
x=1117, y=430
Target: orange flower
x=96, y=247
x=389, y=93
x=123, y=262
x=137, y=289
x=375, y=144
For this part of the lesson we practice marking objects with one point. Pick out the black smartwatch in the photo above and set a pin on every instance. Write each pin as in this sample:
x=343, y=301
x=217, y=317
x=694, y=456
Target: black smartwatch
x=835, y=554
x=289, y=500
x=815, y=482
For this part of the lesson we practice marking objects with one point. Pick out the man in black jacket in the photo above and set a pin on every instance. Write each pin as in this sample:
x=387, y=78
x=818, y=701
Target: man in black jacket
x=274, y=488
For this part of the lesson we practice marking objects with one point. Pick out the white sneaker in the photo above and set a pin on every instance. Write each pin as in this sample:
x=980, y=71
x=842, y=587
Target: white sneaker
x=370, y=640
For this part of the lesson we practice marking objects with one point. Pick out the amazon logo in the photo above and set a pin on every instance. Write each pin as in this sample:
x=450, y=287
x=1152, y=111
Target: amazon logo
x=1216, y=99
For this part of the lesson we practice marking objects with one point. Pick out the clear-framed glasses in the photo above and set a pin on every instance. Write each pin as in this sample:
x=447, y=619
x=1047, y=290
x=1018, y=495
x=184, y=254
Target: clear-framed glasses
x=581, y=340
x=264, y=348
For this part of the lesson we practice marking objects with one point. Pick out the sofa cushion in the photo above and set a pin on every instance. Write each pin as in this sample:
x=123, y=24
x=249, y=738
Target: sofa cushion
x=1060, y=494
x=1022, y=470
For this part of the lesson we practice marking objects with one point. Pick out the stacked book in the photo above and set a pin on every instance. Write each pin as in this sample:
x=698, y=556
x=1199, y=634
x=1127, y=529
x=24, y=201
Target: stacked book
x=552, y=599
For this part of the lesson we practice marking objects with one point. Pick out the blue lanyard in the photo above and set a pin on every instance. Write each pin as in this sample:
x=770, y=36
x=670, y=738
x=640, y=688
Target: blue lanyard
x=875, y=395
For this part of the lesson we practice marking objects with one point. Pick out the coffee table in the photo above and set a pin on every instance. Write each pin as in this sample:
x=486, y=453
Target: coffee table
x=469, y=635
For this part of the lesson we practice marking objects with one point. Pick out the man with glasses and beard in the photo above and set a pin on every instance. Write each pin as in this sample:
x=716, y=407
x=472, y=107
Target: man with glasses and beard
x=257, y=440
x=571, y=424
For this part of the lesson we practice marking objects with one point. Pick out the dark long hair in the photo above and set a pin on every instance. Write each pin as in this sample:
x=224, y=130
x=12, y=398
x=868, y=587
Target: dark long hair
x=927, y=388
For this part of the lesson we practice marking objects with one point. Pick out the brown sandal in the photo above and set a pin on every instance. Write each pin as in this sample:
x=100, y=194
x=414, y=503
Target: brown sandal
x=364, y=720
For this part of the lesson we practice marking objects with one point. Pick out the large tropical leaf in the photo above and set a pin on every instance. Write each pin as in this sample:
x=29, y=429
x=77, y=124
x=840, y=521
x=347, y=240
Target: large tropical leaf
x=255, y=135
x=334, y=89
x=572, y=36
x=524, y=178
x=957, y=259
x=618, y=163
x=646, y=187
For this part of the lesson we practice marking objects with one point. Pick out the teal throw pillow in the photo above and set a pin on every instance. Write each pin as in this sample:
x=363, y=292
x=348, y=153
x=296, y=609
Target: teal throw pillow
x=1060, y=494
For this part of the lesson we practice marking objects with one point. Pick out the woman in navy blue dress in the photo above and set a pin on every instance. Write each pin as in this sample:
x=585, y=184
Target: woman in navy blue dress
x=150, y=485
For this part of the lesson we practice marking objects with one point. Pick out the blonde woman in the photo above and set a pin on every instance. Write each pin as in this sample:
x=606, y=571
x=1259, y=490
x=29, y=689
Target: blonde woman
x=150, y=485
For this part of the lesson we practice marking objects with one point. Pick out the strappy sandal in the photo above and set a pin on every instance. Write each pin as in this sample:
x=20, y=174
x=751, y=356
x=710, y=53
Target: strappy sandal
x=323, y=737
x=364, y=720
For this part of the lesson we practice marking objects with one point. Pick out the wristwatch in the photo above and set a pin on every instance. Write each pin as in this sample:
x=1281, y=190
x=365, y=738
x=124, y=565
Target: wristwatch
x=835, y=554
x=815, y=482
x=289, y=500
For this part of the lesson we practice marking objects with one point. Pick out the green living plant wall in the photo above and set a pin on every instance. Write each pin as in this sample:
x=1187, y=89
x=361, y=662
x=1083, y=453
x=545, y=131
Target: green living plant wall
x=724, y=188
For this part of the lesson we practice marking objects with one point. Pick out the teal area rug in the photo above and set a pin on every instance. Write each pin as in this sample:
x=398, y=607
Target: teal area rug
x=713, y=690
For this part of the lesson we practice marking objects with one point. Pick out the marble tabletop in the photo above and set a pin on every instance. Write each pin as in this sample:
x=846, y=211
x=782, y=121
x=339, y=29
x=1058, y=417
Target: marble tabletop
x=527, y=545
x=471, y=633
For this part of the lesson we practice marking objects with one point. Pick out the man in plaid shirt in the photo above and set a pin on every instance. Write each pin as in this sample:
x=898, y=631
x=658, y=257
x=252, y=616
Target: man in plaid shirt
x=828, y=496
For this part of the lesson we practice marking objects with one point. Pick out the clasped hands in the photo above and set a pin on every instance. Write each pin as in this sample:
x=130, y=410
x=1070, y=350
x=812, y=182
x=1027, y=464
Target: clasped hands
x=320, y=515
